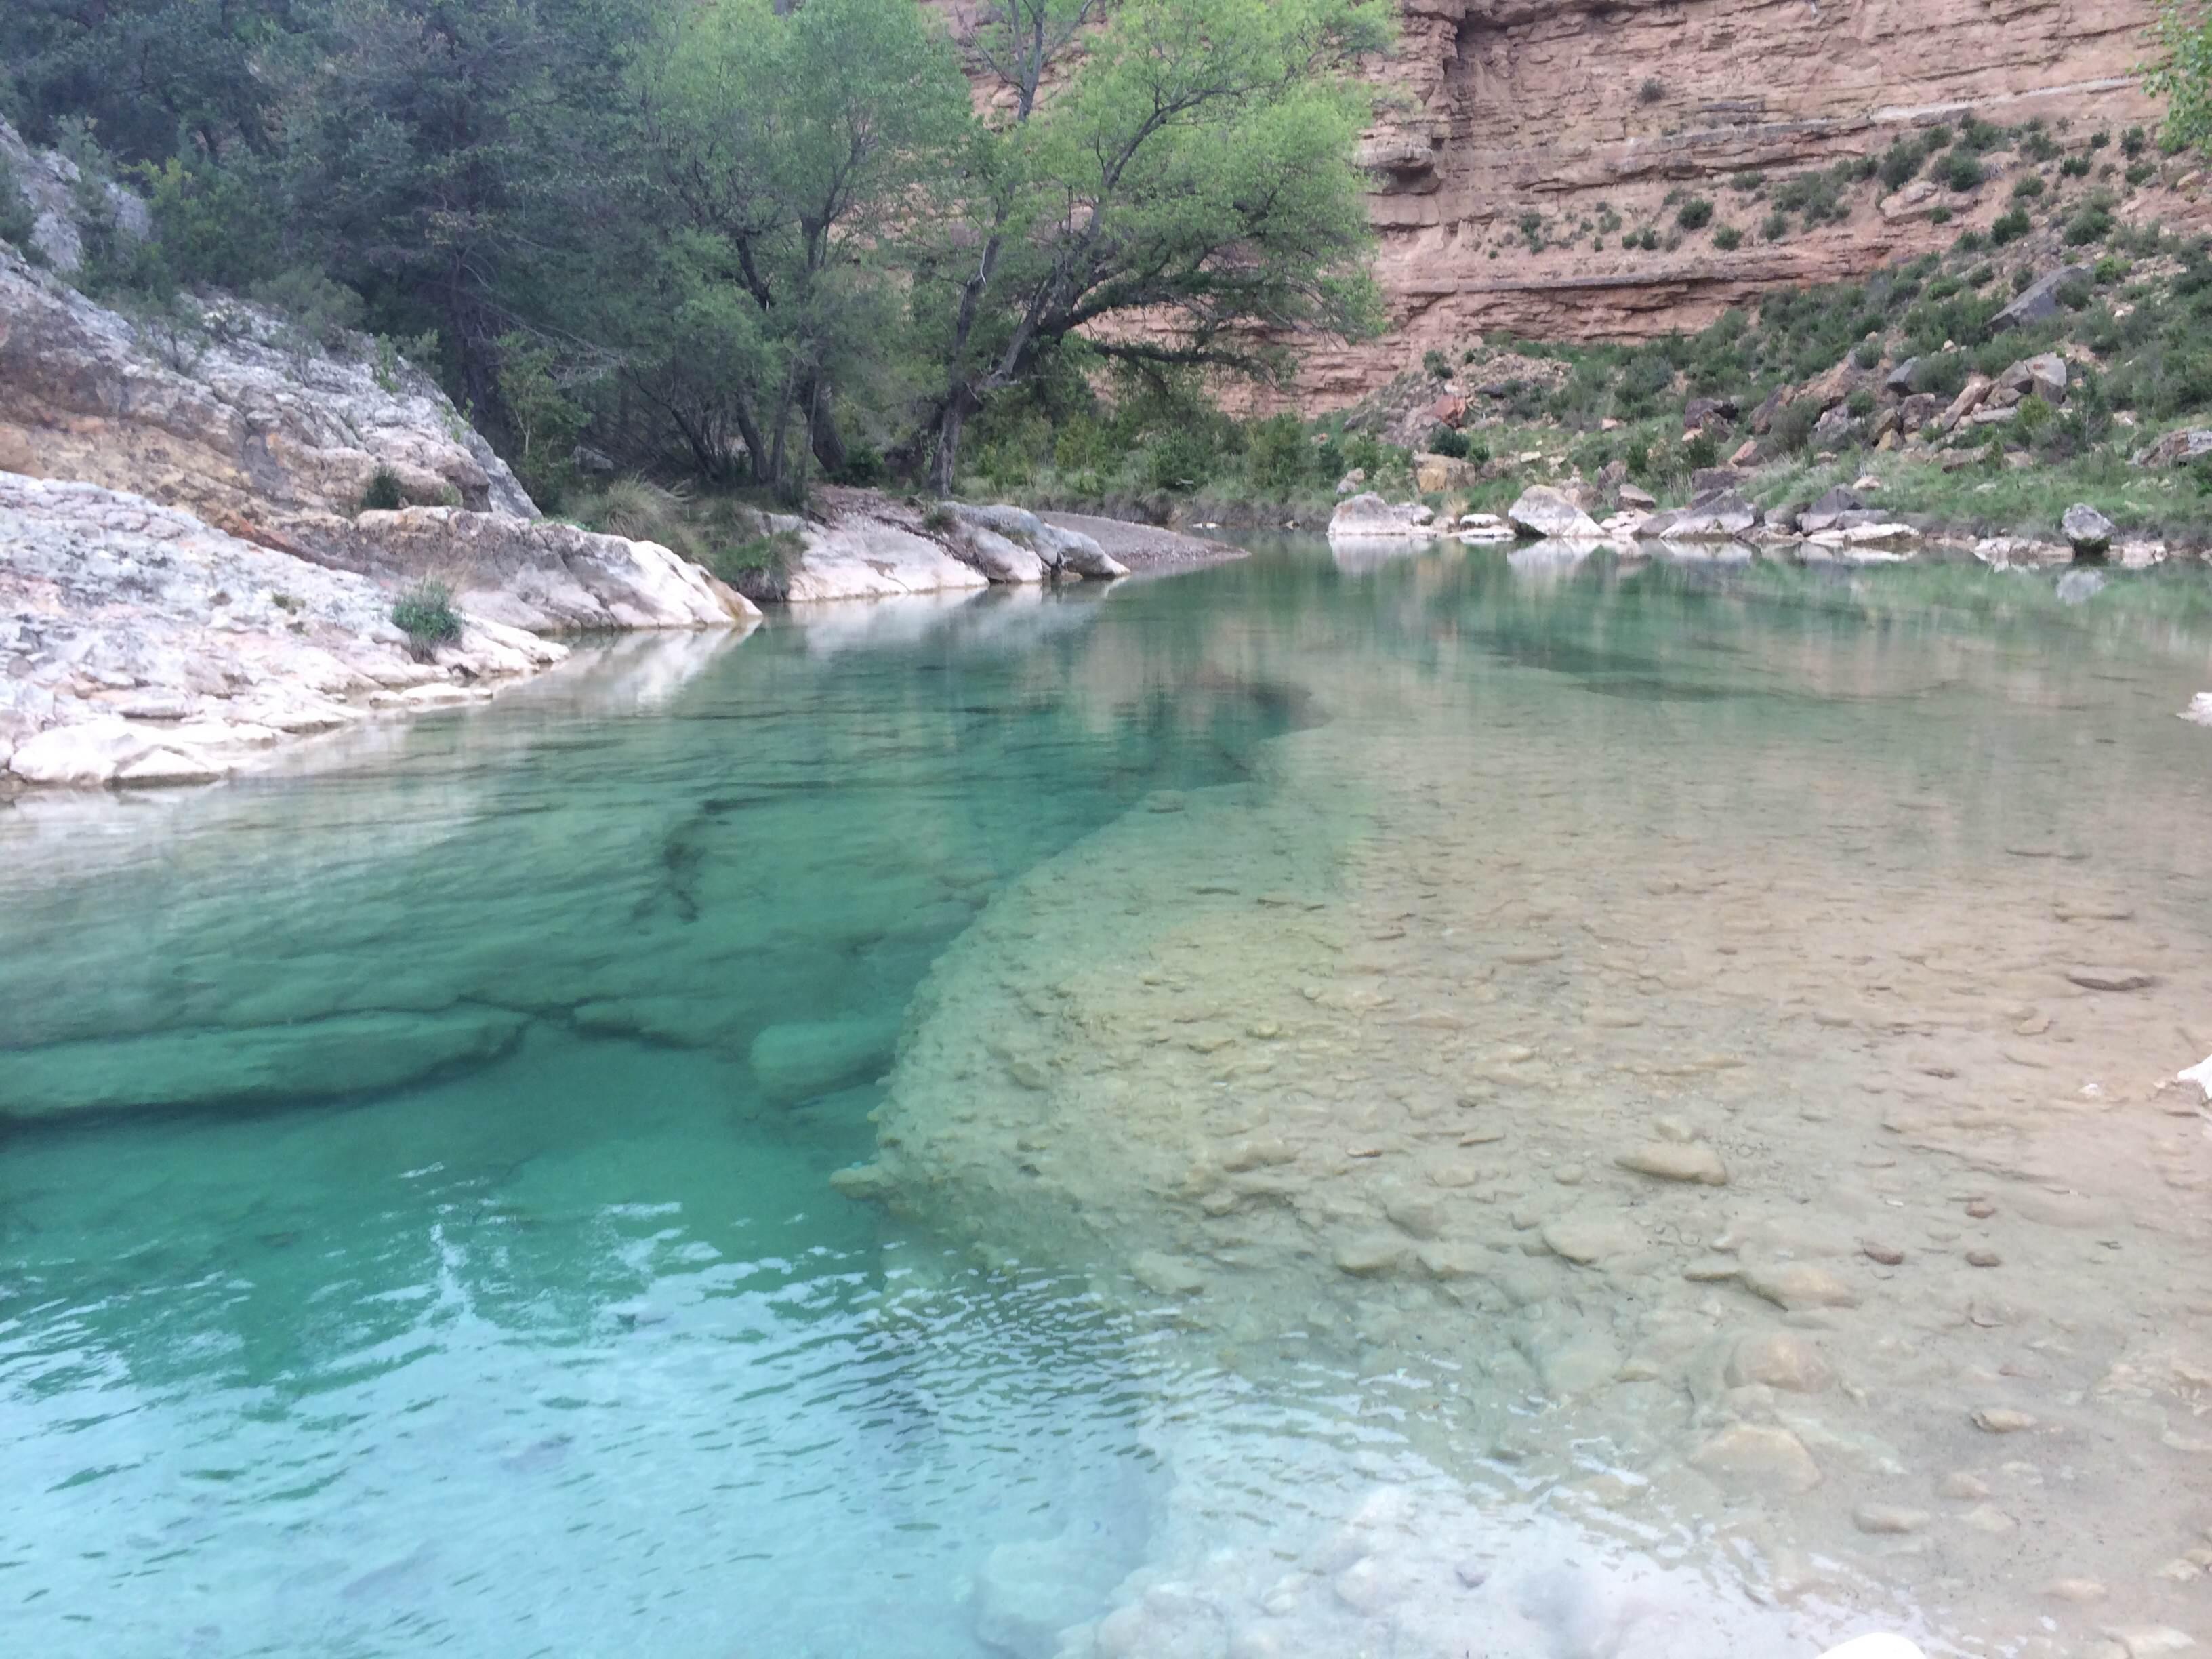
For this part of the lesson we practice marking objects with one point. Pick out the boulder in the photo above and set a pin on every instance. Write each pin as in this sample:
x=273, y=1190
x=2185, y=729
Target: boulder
x=2088, y=531
x=2177, y=449
x=1001, y=561
x=534, y=573
x=2043, y=376
x=1720, y=517
x=2039, y=300
x=1434, y=474
x=1824, y=513
x=1899, y=380
x=1706, y=414
x=1629, y=495
x=1969, y=399
x=1547, y=514
x=1352, y=481
x=1014, y=540
x=1367, y=517
x=1915, y=411
x=1837, y=428
x=1711, y=480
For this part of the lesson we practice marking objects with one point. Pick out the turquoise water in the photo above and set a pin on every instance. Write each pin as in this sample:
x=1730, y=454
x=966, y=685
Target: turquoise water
x=415, y=1225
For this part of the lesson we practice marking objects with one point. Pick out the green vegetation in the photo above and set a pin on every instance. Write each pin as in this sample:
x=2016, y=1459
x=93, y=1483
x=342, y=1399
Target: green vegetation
x=383, y=494
x=425, y=614
x=735, y=240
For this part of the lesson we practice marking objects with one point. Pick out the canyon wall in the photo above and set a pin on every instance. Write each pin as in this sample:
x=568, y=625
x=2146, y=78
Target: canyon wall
x=1585, y=112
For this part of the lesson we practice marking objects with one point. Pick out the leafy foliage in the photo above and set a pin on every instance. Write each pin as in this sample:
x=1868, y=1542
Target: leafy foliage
x=425, y=614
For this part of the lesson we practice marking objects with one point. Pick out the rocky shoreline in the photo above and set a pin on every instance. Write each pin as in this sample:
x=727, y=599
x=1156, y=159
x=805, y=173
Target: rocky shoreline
x=190, y=579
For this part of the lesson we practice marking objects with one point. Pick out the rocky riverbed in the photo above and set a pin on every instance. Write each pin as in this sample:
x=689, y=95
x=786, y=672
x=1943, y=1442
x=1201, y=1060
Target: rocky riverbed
x=1695, y=1153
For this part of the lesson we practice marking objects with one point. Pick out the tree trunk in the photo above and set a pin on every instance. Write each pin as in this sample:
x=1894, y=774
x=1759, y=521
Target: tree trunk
x=944, y=459
x=829, y=443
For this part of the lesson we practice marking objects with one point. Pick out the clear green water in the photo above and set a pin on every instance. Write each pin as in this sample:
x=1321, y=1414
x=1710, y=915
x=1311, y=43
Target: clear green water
x=566, y=1344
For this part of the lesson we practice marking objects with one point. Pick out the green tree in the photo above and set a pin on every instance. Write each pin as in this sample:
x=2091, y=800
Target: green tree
x=152, y=76
x=792, y=151
x=454, y=161
x=1164, y=180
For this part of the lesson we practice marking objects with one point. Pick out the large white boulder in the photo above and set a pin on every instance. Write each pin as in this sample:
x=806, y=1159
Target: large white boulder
x=1367, y=517
x=1546, y=515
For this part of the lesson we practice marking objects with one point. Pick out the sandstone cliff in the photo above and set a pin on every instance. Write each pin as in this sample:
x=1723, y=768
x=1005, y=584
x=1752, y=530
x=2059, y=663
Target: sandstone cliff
x=1519, y=138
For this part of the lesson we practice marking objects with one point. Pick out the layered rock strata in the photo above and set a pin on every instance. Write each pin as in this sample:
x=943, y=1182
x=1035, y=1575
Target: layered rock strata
x=1517, y=135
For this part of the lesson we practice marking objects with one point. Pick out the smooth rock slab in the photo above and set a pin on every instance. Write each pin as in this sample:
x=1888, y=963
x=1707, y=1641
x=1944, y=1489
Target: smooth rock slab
x=805, y=1058
x=311, y=1060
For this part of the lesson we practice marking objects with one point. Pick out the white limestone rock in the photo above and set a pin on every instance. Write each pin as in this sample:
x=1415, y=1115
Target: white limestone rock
x=1367, y=517
x=1547, y=514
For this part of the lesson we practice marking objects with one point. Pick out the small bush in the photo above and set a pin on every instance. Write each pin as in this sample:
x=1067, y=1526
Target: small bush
x=17, y=220
x=2134, y=141
x=2028, y=188
x=1960, y=171
x=2075, y=166
x=1652, y=91
x=1900, y=161
x=1939, y=138
x=383, y=494
x=1777, y=226
x=318, y=314
x=2093, y=223
x=2075, y=296
x=1436, y=365
x=1748, y=184
x=1697, y=213
x=1942, y=375
x=1701, y=452
x=639, y=510
x=2009, y=227
x=1861, y=403
x=2022, y=279
x=1869, y=354
x=1728, y=239
x=939, y=519
x=772, y=553
x=1446, y=441
x=1792, y=431
x=2142, y=172
x=1939, y=215
x=1970, y=241
x=425, y=614
x=2100, y=140
x=2111, y=269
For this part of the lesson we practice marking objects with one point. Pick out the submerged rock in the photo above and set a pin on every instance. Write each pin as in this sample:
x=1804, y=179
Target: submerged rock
x=1756, y=1457
x=1677, y=1161
x=806, y=1058
x=306, y=1060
